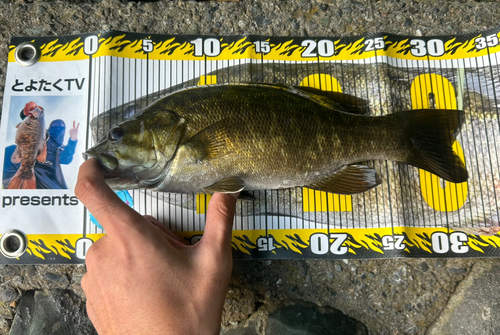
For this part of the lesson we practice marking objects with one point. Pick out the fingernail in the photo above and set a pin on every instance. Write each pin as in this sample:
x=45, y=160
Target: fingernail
x=235, y=195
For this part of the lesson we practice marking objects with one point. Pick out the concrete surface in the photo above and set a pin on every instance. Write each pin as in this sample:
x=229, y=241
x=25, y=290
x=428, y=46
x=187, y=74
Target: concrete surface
x=417, y=296
x=474, y=307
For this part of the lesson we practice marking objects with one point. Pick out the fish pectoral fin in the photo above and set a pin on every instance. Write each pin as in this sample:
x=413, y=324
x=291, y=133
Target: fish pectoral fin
x=18, y=125
x=42, y=155
x=228, y=185
x=351, y=179
x=16, y=156
x=212, y=141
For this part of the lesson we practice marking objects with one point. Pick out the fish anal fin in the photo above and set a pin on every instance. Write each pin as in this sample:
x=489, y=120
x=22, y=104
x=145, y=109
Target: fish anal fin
x=351, y=179
x=16, y=156
x=227, y=185
x=42, y=155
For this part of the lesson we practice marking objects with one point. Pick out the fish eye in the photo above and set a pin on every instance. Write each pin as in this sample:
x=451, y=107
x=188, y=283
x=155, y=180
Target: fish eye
x=115, y=134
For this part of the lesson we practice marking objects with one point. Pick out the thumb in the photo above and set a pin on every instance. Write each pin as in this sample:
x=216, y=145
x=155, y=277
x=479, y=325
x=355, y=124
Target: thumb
x=113, y=214
x=219, y=223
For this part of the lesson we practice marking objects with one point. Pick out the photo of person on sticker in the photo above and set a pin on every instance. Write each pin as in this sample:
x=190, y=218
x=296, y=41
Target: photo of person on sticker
x=34, y=162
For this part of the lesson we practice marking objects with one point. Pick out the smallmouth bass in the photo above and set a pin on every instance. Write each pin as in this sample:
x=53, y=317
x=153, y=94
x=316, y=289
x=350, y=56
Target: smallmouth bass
x=234, y=137
x=30, y=141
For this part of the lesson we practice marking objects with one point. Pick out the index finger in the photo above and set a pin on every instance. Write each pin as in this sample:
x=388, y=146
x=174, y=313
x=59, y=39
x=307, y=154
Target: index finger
x=112, y=213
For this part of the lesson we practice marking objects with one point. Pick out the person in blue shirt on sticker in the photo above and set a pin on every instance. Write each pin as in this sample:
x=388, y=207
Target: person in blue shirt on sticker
x=49, y=173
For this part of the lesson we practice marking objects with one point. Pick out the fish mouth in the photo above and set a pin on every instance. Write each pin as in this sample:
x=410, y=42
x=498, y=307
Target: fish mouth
x=35, y=113
x=108, y=162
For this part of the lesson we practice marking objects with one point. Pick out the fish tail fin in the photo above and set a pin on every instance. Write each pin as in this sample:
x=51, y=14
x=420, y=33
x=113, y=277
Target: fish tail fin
x=432, y=134
x=23, y=180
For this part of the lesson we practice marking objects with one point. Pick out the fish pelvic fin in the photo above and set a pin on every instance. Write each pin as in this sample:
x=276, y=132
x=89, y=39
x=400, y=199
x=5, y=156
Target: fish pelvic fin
x=350, y=179
x=42, y=155
x=228, y=185
x=246, y=195
x=23, y=180
x=432, y=134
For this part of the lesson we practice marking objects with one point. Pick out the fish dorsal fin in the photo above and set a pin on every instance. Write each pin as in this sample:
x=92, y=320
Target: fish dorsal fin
x=337, y=101
x=227, y=185
x=351, y=179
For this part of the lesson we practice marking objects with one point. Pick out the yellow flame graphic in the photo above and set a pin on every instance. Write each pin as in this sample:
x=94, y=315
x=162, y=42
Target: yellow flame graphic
x=173, y=49
x=296, y=240
x=358, y=239
x=478, y=242
x=44, y=246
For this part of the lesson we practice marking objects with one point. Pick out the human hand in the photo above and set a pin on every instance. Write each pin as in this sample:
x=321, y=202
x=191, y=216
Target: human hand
x=73, y=133
x=32, y=110
x=141, y=278
x=29, y=107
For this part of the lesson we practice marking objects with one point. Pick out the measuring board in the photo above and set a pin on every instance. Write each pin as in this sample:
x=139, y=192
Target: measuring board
x=98, y=80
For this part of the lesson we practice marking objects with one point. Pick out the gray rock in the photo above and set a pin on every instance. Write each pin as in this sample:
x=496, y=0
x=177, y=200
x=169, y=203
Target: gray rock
x=57, y=278
x=440, y=263
x=423, y=267
x=456, y=271
x=30, y=270
x=249, y=328
x=10, y=271
x=51, y=313
x=305, y=320
x=8, y=294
